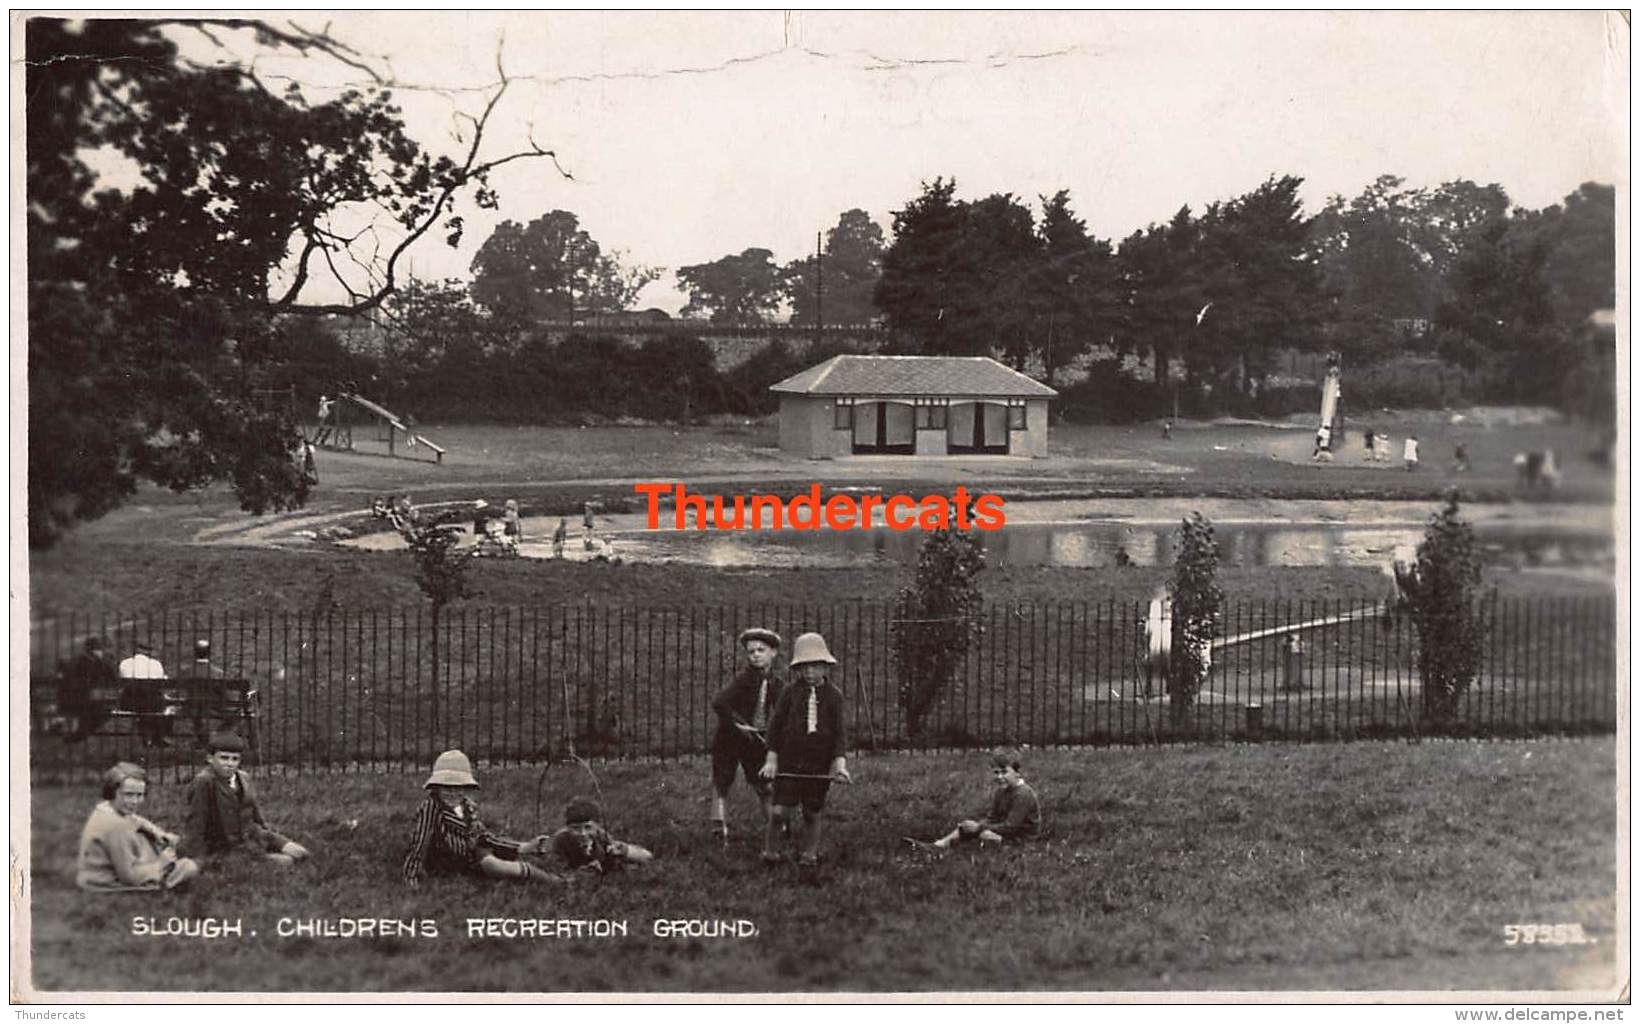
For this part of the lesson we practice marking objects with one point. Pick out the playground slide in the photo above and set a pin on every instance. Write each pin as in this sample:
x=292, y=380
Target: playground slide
x=1329, y=398
x=391, y=417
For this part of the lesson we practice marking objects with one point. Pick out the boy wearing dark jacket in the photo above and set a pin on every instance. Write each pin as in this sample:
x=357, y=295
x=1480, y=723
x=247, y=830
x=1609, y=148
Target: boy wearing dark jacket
x=223, y=815
x=743, y=708
x=806, y=744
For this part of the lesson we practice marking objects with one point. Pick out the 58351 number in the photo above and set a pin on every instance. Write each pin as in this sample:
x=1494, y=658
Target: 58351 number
x=1545, y=935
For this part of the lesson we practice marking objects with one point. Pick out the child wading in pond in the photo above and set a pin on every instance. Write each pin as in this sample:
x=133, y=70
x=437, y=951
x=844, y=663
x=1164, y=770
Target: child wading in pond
x=223, y=815
x=1015, y=812
x=806, y=744
x=585, y=845
x=743, y=709
x=449, y=838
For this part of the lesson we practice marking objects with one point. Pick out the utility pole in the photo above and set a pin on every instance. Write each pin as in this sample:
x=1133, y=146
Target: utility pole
x=819, y=285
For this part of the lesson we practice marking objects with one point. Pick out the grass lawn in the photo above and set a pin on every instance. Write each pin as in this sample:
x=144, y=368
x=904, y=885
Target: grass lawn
x=1360, y=866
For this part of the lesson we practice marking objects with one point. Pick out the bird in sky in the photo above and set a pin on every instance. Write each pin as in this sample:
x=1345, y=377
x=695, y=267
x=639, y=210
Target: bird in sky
x=1203, y=314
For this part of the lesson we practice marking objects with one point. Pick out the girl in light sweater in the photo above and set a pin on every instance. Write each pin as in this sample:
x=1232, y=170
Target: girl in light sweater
x=120, y=850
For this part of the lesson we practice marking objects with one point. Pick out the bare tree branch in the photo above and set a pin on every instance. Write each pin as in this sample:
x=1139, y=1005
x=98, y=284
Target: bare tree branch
x=471, y=170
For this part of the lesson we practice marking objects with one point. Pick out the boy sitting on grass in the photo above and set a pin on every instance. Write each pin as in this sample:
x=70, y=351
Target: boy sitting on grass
x=1015, y=812
x=223, y=815
x=449, y=838
x=585, y=845
x=806, y=745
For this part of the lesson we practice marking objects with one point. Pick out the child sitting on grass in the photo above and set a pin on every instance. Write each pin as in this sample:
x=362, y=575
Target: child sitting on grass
x=449, y=838
x=120, y=850
x=585, y=845
x=223, y=815
x=806, y=744
x=1015, y=812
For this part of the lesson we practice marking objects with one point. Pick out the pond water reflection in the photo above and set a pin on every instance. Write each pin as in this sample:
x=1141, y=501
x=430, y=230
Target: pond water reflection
x=1553, y=541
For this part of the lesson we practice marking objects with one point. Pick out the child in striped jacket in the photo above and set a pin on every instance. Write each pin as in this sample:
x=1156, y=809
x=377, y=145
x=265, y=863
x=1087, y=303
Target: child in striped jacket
x=449, y=838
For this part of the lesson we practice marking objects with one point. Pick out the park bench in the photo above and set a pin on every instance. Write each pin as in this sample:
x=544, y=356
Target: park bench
x=193, y=707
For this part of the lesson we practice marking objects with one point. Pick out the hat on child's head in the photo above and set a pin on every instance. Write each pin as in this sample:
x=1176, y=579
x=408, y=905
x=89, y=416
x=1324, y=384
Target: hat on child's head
x=512, y=505
x=582, y=808
x=810, y=647
x=1006, y=759
x=224, y=740
x=202, y=648
x=451, y=769
x=768, y=636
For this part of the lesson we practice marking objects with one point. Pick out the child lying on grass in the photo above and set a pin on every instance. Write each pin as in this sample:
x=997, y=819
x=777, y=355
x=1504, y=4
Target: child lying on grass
x=585, y=845
x=449, y=838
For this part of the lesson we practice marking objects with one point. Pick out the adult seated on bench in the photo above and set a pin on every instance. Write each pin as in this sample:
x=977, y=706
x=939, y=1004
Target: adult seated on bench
x=210, y=697
x=144, y=694
x=86, y=689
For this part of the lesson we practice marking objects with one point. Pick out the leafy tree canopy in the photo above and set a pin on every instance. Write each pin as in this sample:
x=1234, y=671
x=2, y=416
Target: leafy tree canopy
x=155, y=302
x=551, y=269
x=740, y=289
x=842, y=287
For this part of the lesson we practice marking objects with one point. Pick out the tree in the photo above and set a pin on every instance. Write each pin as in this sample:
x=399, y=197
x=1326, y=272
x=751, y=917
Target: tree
x=1001, y=255
x=1160, y=270
x=1195, y=599
x=1259, y=273
x=1375, y=269
x=1500, y=317
x=839, y=291
x=958, y=277
x=1388, y=256
x=921, y=288
x=940, y=618
x=1077, y=297
x=149, y=297
x=1580, y=236
x=743, y=289
x=1444, y=602
x=551, y=269
x=441, y=573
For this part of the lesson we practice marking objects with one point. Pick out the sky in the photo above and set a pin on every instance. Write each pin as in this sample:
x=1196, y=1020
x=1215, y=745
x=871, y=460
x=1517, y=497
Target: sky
x=693, y=136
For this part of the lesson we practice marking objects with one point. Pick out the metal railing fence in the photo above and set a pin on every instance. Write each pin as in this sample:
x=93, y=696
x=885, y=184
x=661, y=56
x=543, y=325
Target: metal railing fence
x=363, y=690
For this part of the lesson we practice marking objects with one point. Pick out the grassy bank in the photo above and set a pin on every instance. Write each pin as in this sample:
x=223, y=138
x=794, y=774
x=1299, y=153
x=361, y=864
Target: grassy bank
x=1364, y=866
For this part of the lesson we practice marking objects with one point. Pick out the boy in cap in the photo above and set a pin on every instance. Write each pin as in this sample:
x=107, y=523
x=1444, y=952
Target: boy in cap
x=449, y=838
x=1015, y=812
x=585, y=845
x=806, y=744
x=743, y=710
x=223, y=815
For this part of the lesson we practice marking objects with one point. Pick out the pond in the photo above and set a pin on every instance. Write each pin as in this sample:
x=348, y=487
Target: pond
x=1098, y=533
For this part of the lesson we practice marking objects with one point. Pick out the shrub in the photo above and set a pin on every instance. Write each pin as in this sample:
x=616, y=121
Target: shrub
x=441, y=573
x=1443, y=598
x=938, y=620
x=1195, y=598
